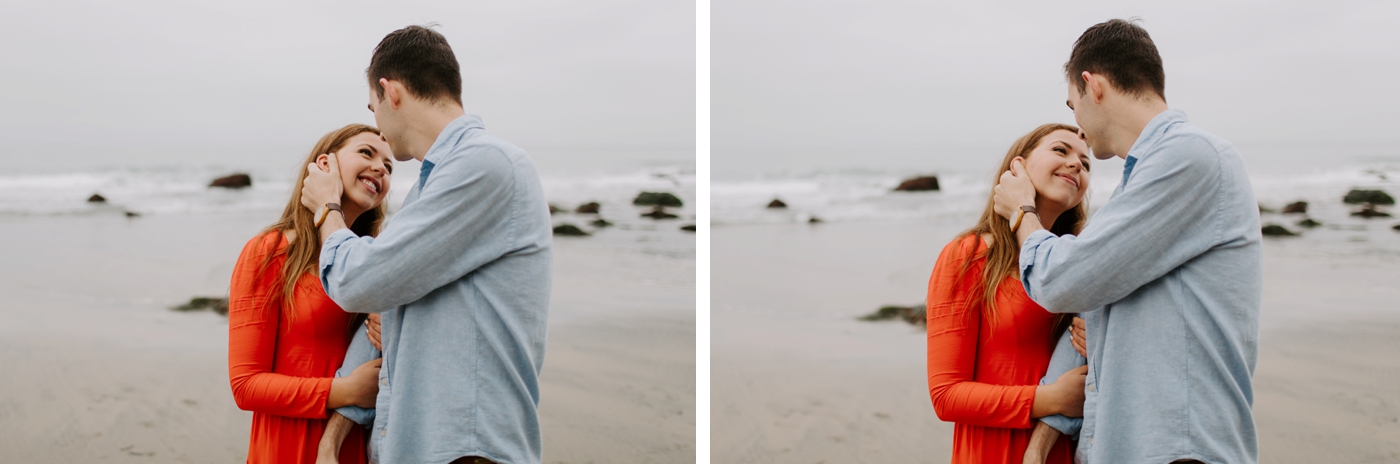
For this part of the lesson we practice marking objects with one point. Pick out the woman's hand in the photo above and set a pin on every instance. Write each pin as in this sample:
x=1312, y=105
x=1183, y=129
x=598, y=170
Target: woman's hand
x=373, y=330
x=1064, y=397
x=358, y=389
x=1076, y=337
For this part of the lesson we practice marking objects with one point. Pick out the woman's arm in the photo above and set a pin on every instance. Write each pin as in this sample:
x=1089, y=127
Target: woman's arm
x=253, y=329
x=953, y=322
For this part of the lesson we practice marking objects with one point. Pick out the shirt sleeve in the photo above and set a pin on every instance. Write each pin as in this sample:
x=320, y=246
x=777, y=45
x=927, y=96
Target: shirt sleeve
x=953, y=322
x=463, y=218
x=1061, y=361
x=252, y=342
x=1164, y=217
x=360, y=351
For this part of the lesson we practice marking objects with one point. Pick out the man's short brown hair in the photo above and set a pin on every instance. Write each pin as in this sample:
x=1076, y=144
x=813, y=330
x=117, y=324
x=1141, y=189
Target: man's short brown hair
x=1123, y=53
x=422, y=60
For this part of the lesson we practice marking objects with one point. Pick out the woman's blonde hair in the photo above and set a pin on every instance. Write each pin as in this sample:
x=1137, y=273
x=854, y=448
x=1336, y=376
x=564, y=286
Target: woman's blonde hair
x=1004, y=253
x=304, y=253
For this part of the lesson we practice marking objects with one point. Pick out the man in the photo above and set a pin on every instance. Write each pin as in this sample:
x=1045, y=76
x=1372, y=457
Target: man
x=463, y=270
x=1173, y=259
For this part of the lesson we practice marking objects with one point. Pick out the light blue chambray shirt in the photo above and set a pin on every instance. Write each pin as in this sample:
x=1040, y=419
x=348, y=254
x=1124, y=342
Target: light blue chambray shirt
x=462, y=276
x=1168, y=275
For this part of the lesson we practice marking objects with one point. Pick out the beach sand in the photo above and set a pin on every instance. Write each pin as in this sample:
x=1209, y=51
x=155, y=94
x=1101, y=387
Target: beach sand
x=796, y=379
x=96, y=368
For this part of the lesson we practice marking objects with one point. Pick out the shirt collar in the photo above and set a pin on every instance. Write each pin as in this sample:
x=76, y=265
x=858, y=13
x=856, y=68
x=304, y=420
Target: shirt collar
x=450, y=135
x=1154, y=131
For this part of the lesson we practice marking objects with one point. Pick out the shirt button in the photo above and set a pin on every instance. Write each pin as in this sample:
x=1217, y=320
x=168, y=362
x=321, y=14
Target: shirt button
x=384, y=382
x=1091, y=388
x=381, y=433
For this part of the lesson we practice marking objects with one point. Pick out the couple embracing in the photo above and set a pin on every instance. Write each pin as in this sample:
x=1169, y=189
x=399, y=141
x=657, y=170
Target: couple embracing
x=454, y=290
x=1165, y=281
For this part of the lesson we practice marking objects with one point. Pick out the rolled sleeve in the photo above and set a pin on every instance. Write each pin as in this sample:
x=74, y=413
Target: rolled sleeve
x=361, y=351
x=1063, y=360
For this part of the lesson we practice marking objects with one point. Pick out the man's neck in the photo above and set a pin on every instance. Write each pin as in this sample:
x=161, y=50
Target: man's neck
x=1128, y=121
x=423, y=130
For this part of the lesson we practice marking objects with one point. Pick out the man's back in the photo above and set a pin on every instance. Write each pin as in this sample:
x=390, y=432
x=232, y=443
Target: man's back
x=1175, y=260
x=462, y=359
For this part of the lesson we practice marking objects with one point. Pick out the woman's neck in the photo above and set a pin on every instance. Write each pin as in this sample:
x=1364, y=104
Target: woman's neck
x=1048, y=212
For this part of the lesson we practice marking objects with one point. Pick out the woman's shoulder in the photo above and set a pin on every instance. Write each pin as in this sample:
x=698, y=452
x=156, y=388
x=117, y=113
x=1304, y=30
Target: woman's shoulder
x=963, y=247
x=262, y=245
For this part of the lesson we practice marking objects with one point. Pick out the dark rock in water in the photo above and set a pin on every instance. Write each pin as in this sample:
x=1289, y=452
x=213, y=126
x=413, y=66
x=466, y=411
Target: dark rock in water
x=133, y=214
x=234, y=181
x=570, y=230
x=1309, y=223
x=688, y=227
x=659, y=213
x=911, y=314
x=1265, y=209
x=776, y=203
x=588, y=208
x=918, y=184
x=600, y=223
x=554, y=209
x=1368, y=211
x=199, y=303
x=1358, y=196
x=657, y=199
x=95, y=198
x=1296, y=207
x=1397, y=227
x=814, y=220
x=1275, y=230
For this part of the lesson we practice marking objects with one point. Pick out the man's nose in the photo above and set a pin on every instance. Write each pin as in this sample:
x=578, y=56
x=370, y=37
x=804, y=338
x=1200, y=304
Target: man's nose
x=1082, y=136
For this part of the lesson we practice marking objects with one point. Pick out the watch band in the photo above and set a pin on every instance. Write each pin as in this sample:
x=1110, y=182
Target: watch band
x=1021, y=214
x=325, y=212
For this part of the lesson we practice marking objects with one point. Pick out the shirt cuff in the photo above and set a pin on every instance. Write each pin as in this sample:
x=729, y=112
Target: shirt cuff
x=1028, y=249
x=329, y=247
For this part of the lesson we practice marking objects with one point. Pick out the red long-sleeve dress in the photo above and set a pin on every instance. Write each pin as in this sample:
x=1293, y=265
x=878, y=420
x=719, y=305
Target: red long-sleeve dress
x=982, y=374
x=281, y=368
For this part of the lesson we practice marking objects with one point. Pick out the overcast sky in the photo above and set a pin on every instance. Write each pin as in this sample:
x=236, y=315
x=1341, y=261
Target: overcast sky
x=136, y=81
x=869, y=83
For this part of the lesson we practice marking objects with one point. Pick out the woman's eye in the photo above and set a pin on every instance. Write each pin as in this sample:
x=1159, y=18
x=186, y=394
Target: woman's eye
x=1060, y=150
x=366, y=152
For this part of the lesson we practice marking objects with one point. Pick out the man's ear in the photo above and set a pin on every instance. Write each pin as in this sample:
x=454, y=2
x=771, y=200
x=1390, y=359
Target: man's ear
x=392, y=92
x=1094, y=85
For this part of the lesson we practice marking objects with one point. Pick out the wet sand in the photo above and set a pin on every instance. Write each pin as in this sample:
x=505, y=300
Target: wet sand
x=97, y=369
x=796, y=379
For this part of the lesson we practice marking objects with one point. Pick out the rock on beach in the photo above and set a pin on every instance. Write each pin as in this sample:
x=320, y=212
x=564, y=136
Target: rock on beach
x=918, y=184
x=234, y=181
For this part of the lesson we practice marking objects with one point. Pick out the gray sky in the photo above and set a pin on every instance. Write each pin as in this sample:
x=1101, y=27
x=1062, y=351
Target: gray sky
x=899, y=83
x=115, y=83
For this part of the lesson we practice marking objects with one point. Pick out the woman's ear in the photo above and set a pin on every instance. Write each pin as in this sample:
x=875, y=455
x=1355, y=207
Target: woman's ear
x=323, y=161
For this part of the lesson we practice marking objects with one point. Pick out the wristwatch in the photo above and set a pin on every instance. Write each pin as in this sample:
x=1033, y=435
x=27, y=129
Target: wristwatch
x=325, y=211
x=1020, y=214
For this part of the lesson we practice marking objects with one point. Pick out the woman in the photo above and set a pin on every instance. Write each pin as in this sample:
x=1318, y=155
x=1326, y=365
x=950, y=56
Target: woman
x=286, y=337
x=988, y=343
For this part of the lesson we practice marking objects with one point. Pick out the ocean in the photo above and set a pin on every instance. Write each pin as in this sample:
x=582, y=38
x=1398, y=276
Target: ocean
x=836, y=193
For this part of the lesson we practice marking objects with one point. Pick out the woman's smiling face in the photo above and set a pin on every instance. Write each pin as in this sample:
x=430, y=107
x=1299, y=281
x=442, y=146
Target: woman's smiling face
x=365, y=167
x=1059, y=169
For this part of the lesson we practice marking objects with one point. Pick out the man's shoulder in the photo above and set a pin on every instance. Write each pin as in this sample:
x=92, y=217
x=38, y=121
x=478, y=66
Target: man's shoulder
x=482, y=150
x=1188, y=142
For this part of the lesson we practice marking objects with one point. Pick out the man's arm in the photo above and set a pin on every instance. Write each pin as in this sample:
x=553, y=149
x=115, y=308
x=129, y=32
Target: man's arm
x=328, y=452
x=1165, y=217
x=466, y=215
x=1043, y=438
x=361, y=351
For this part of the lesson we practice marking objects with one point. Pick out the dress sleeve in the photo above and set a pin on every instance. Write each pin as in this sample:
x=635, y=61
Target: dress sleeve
x=252, y=342
x=953, y=321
